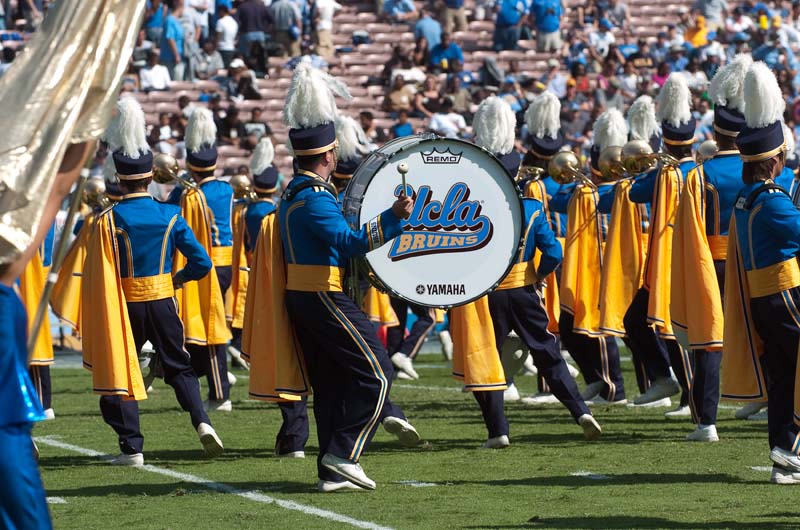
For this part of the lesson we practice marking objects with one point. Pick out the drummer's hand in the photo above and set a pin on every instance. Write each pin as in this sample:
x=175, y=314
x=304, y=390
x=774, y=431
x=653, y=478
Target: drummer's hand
x=402, y=207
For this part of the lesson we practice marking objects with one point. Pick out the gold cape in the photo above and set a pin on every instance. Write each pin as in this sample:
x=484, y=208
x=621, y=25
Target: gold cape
x=658, y=266
x=235, y=298
x=582, y=265
x=378, y=308
x=476, y=361
x=31, y=288
x=695, y=300
x=623, y=261
x=552, y=301
x=201, y=306
x=742, y=376
x=109, y=351
x=66, y=298
x=277, y=369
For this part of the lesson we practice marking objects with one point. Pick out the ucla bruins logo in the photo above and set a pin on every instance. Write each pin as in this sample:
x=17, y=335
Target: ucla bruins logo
x=453, y=224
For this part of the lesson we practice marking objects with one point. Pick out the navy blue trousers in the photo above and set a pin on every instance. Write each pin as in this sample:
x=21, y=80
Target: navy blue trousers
x=349, y=370
x=40, y=375
x=776, y=320
x=211, y=360
x=23, y=504
x=597, y=358
x=293, y=433
x=158, y=322
x=705, y=364
x=522, y=310
x=410, y=345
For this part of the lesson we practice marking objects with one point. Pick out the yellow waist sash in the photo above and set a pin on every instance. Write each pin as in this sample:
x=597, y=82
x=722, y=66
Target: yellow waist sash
x=222, y=256
x=520, y=275
x=719, y=247
x=148, y=288
x=313, y=278
x=774, y=279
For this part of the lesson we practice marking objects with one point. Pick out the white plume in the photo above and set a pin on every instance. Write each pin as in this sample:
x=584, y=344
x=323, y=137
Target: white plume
x=727, y=87
x=789, y=144
x=263, y=155
x=110, y=170
x=543, y=116
x=128, y=130
x=310, y=100
x=610, y=130
x=494, y=125
x=201, y=130
x=675, y=101
x=351, y=138
x=642, y=119
x=765, y=103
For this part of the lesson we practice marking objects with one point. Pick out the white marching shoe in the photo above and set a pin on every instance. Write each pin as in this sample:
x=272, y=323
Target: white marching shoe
x=591, y=429
x=704, y=433
x=218, y=406
x=134, y=460
x=785, y=459
x=349, y=470
x=759, y=416
x=662, y=387
x=784, y=476
x=511, y=393
x=528, y=368
x=747, y=410
x=293, y=454
x=573, y=372
x=236, y=355
x=212, y=445
x=542, y=398
x=600, y=400
x=447, y=344
x=232, y=379
x=329, y=486
x=591, y=390
x=404, y=376
x=402, y=429
x=49, y=414
x=498, y=442
x=665, y=402
x=403, y=362
x=680, y=412
x=513, y=354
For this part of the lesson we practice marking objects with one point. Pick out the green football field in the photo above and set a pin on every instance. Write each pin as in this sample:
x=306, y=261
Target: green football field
x=641, y=474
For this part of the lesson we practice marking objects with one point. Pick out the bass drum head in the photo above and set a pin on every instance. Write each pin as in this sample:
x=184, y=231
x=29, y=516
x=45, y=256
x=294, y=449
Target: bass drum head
x=465, y=228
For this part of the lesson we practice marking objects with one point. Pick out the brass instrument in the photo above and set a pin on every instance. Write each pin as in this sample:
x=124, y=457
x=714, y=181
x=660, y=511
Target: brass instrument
x=707, y=150
x=610, y=164
x=242, y=187
x=565, y=168
x=638, y=157
x=167, y=171
x=533, y=173
x=94, y=194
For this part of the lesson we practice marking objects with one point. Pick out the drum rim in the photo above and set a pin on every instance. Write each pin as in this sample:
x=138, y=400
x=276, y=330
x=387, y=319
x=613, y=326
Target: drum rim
x=428, y=137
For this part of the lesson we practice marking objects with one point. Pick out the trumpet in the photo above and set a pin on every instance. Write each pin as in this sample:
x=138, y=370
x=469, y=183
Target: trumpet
x=610, y=163
x=242, y=187
x=533, y=173
x=166, y=171
x=564, y=168
x=94, y=194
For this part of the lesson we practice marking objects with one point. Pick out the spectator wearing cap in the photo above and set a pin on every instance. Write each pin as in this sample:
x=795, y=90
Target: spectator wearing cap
x=399, y=10
x=253, y=23
x=455, y=16
x=611, y=97
x=154, y=76
x=697, y=34
x=675, y=35
x=600, y=40
x=660, y=49
x=172, y=43
x=546, y=18
x=209, y=62
x=285, y=27
x=402, y=127
x=676, y=59
x=227, y=28
x=447, y=123
x=428, y=28
x=642, y=59
x=446, y=51
x=507, y=23
x=555, y=81
x=714, y=12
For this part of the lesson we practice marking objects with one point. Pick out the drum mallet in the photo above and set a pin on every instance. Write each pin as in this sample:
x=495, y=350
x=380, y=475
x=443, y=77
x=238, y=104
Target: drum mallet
x=402, y=168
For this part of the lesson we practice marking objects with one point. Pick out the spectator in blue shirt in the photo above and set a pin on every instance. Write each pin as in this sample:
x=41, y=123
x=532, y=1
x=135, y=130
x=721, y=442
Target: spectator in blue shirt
x=172, y=43
x=154, y=14
x=546, y=15
x=446, y=51
x=506, y=30
x=455, y=17
x=402, y=127
x=399, y=10
x=676, y=59
x=776, y=56
x=465, y=77
x=429, y=28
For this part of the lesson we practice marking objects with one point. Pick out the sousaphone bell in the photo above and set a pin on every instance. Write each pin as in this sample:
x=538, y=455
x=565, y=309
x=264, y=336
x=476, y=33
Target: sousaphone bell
x=167, y=171
x=564, y=167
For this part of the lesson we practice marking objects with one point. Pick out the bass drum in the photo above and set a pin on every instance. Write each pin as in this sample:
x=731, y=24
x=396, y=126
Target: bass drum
x=464, y=231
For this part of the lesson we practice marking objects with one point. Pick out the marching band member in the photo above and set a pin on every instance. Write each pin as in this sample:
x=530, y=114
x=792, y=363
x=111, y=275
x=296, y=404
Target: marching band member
x=597, y=355
x=348, y=368
x=265, y=184
x=626, y=243
x=240, y=273
x=207, y=208
x=762, y=278
x=788, y=177
x=701, y=243
x=516, y=304
x=647, y=321
x=129, y=273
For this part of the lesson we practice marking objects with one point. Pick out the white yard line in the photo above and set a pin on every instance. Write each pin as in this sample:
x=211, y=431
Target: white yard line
x=590, y=475
x=223, y=488
x=415, y=483
x=423, y=387
x=761, y=468
x=56, y=500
